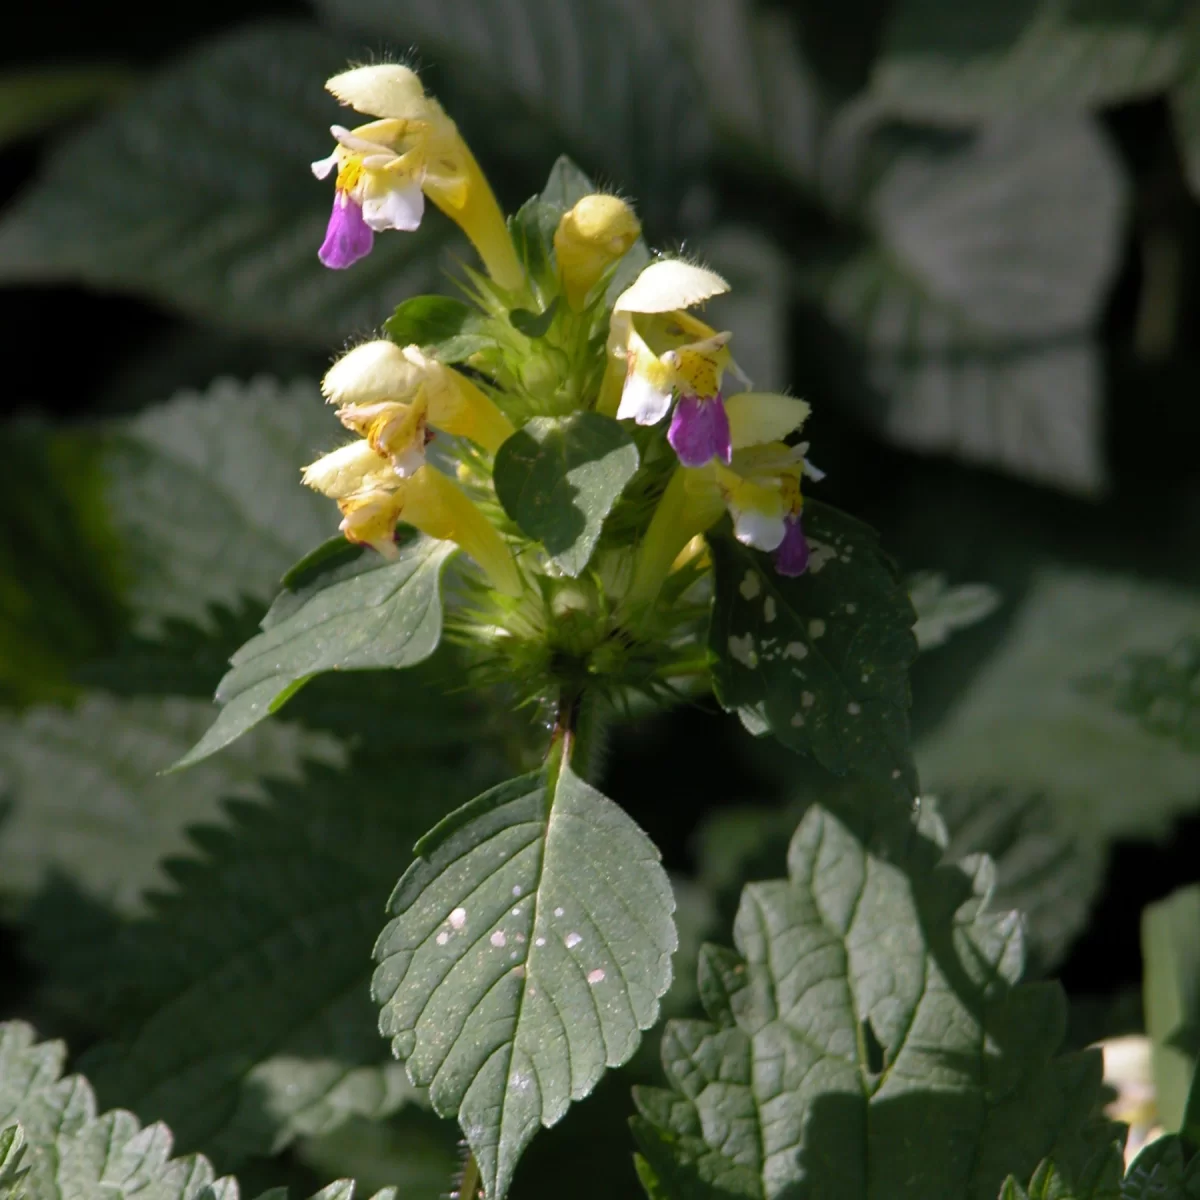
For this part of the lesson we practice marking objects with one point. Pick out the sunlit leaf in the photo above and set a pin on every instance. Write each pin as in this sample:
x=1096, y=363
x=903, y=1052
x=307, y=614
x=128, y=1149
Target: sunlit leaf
x=69, y=1152
x=356, y=611
x=869, y=1038
x=529, y=945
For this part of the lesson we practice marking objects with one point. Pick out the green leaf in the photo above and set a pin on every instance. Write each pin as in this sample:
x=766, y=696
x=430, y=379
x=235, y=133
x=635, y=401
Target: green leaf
x=968, y=351
x=357, y=612
x=1185, y=112
x=1161, y=1171
x=559, y=477
x=242, y=1002
x=1171, y=996
x=1161, y=690
x=541, y=71
x=529, y=946
x=938, y=63
x=415, y=1152
x=60, y=593
x=532, y=228
x=566, y=185
x=943, y=610
x=822, y=660
x=38, y=98
x=74, y=1154
x=768, y=109
x=87, y=800
x=1051, y=876
x=869, y=1038
x=1101, y=1180
x=533, y=324
x=447, y=328
x=205, y=494
x=1044, y=871
x=196, y=192
x=1024, y=724
x=12, y=1151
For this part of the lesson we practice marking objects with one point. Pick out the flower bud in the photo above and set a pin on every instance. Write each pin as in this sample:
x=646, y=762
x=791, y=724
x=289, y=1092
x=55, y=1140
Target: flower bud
x=589, y=239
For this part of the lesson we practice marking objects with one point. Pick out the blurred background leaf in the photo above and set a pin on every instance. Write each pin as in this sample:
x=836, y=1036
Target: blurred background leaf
x=940, y=61
x=34, y=101
x=1171, y=994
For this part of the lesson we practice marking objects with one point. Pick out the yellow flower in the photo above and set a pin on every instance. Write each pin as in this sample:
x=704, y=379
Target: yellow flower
x=387, y=167
x=760, y=488
x=390, y=395
x=657, y=351
x=373, y=498
x=589, y=240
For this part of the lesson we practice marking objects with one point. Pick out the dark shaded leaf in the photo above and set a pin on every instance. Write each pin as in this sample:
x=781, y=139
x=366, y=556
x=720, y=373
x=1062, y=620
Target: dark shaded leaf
x=821, y=661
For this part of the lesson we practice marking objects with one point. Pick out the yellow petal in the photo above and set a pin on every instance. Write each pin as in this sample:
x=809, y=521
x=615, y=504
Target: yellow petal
x=759, y=417
x=370, y=519
x=394, y=429
x=458, y=406
x=353, y=468
x=439, y=507
x=698, y=367
x=384, y=90
x=669, y=284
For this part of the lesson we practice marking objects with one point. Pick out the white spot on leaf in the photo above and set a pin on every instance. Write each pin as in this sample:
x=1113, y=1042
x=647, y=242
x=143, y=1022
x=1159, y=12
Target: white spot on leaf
x=854, y=708
x=442, y=938
x=572, y=940
x=819, y=553
x=807, y=699
x=539, y=941
x=458, y=918
x=595, y=977
x=751, y=585
x=797, y=720
x=498, y=939
x=769, y=613
x=795, y=650
x=741, y=649
x=816, y=627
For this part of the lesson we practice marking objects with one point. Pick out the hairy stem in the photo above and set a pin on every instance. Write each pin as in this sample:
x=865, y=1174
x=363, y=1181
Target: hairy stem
x=468, y=1184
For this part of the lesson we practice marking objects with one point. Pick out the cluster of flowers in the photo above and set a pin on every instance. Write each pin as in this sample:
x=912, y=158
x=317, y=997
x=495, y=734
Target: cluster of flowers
x=660, y=359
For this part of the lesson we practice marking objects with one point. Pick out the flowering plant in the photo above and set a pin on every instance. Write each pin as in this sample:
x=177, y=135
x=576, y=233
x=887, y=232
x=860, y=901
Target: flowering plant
x=548, y=529
x=625, y=531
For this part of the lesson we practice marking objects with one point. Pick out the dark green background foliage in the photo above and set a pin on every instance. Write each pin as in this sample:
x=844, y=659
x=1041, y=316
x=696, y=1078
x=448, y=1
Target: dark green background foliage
x=967, y=234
